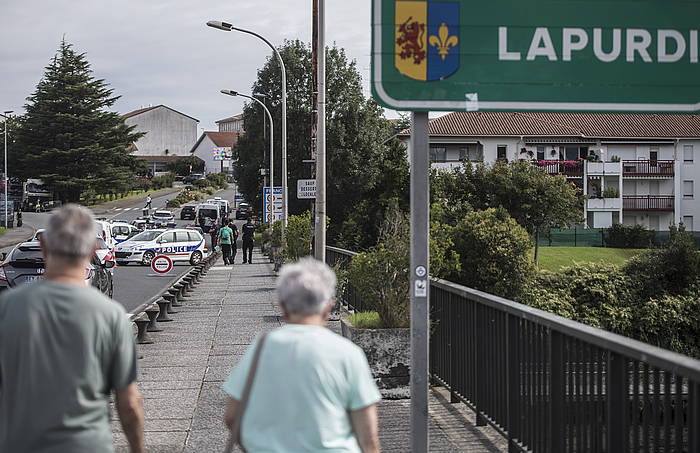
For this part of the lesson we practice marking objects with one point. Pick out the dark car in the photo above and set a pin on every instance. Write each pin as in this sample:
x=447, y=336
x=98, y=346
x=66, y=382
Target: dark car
x=243, y=211
x=188, y=212
x=189, y=179
x=25, y=263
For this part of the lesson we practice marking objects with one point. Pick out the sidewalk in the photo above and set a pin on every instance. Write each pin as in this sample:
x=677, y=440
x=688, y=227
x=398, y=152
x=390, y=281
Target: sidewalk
x=16, y=235
x=181, y=373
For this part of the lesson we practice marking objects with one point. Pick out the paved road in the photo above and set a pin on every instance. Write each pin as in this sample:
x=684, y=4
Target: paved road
x=132, y=284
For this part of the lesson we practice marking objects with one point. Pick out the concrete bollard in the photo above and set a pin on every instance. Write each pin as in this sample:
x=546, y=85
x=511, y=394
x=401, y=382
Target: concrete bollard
x=175, y=291
x=152, y=313
x=172, y=300
x=142, y=326
x=163, y=314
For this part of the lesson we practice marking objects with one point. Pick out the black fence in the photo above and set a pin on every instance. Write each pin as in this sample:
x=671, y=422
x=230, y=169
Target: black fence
x=549, y=384
x=597, y=237
x=339, y=259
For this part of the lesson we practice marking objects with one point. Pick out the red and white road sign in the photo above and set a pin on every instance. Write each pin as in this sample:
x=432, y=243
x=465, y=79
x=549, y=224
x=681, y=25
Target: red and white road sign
x=161, y=264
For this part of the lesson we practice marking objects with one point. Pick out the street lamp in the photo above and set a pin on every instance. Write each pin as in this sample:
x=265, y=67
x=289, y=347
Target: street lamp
x=272, y=141
x=229, y=27
x=7, y=180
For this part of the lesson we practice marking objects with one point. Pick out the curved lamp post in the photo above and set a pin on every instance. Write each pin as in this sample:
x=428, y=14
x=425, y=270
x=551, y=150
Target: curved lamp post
x=5, y=115
x=272, y=141
x=229, y=27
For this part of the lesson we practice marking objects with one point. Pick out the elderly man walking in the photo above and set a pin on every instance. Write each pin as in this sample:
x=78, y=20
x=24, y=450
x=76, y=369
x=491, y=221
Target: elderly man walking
x=301, y=387
x=64, y=348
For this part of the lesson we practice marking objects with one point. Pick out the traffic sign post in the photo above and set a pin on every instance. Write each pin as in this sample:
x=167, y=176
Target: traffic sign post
x=306, y=189
x=161, y=264
x=539, y=55
x=272, y=205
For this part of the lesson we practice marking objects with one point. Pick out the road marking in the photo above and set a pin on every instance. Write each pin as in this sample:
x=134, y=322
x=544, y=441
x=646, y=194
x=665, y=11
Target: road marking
x=118, y=209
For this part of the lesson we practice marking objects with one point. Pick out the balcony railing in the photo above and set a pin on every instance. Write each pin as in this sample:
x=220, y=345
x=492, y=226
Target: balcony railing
x=647, y=168
x=647, y=203
x=562, y=167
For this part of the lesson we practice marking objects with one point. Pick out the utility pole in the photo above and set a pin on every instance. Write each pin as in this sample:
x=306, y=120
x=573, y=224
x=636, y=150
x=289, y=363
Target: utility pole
x=314, y=112
x=7, y=179
x=320, y=218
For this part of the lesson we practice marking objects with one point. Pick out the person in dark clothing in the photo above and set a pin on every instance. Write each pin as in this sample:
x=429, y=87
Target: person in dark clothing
x=234, y=247
x=214, y=233
x=248, y=239
x=19, y=217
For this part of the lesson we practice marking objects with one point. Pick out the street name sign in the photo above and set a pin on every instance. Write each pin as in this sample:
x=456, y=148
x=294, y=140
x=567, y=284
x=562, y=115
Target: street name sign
x=589, y=55
x=306, y=188
x=272, y=204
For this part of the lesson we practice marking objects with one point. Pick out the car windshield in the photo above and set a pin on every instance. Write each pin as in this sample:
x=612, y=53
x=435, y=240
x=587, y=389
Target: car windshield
x=28, y=254
x=208, y=213
x=146, y=236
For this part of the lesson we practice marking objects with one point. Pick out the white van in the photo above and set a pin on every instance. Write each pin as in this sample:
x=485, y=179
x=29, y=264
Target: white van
x=207, y=215
x=104, y=231
x=223, y=205
x=121, y=231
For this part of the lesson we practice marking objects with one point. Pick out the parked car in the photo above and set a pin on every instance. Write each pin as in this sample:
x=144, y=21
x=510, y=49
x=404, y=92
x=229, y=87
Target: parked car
x=121, y=231
x=163, y=216
x=188, y=212
x=178, y=244
x=243, y=211
x=25, y=264
x=189, y=179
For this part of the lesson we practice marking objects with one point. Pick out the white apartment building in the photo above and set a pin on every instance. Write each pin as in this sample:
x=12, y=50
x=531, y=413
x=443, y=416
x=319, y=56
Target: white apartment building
x=232, y=124
x=216, y=149
x=647, y=162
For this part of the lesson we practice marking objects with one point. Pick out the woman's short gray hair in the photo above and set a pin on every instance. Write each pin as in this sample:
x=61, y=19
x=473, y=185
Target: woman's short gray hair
x=306, y=287
x=71, y=233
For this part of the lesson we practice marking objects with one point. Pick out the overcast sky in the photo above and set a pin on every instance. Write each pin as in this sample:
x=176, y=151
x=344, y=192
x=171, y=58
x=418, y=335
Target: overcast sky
x=161, y=52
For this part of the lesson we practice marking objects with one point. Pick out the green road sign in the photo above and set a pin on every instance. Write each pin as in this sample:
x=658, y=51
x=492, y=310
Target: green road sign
x=594, y=55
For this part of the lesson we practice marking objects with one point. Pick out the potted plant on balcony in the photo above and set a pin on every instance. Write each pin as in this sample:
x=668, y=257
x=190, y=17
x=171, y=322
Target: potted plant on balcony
x=611, y=192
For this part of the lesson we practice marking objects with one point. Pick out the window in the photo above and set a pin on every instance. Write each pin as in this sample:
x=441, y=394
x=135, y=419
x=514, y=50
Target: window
x=540, y=153
x=473, y=153
x=688, y=189
x=688, y=153
x=654, y=153
x=182, y=236
x=501, y=152
x=438, y=154
x=688, y=222
x=463, y=153
x=194, y=237
x=167, y=237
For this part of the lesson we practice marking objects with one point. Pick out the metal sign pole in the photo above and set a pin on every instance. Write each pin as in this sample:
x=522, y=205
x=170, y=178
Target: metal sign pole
x=320, y=218
x=420, y=220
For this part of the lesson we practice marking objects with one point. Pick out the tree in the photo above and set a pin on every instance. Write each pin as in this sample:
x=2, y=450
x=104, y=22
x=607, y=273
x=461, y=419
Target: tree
x=69, y=139
x=363, y=161
x=535, y=199
x=186, y=165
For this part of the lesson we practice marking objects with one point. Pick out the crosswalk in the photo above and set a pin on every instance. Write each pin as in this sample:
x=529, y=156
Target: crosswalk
x=124, y=209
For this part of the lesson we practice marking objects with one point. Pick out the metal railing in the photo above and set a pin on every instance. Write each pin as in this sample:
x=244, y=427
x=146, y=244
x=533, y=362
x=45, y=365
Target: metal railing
x=647, y=203
x=571, y=168
x=647, y=167
x=347, y=296
x=549, y=384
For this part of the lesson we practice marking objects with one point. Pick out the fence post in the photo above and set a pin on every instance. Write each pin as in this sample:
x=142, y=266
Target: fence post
x=616, y=396
x=557, y=393
x=478, y=326
x=513, y=388
x=452, y=313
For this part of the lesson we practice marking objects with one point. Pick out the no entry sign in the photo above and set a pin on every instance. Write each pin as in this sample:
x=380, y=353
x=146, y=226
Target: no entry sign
x=161, y=264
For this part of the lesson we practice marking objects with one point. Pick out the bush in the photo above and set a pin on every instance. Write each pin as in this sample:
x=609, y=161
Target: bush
x=201, y=183
x=186, y=165
x=299, y=236
x=674, y=269
x=163, y=181
x=380, y=275
x=493, y=252
x=611, y=192
x=365, y=320
x=671, y=322
x=628, y=237
x=174, y=203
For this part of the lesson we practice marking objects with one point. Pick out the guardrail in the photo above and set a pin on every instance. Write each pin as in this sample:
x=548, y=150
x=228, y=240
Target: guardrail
x=549, y=384
x=648, y=202
x=648, y=168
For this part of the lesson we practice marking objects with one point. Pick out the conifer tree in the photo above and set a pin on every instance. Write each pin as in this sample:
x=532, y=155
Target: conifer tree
x=69, y=139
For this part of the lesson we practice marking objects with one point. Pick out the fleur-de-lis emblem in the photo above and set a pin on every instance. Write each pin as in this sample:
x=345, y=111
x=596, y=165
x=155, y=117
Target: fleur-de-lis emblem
x=443, y=41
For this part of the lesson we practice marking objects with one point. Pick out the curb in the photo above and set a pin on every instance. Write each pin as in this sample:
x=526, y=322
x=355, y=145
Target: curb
x=146, y=316
x=32, y=227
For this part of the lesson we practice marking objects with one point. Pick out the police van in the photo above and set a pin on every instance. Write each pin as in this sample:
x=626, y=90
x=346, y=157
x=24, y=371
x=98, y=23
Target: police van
x=177, y=244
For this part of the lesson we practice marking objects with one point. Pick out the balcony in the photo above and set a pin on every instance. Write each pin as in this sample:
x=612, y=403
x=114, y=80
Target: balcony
x=648, y=168
x=647, y=203
x=568, y=168
x=603, y=168
x=603, y=204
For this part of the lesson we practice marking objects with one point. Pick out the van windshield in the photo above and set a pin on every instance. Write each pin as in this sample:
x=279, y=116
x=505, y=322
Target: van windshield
x=211, y=213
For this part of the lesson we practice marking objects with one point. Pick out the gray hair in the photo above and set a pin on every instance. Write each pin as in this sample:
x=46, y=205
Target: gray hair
x=70, y=233
x=306, y=287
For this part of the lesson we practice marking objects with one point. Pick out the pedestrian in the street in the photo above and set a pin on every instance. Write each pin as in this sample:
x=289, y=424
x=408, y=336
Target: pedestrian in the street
x=19, y=218
x=234, y=245
x=64, y=349
x=329, y=397
x=213, y=234
x=148, y=202
x=225, y=239
x=248, y=230
x=37, y=207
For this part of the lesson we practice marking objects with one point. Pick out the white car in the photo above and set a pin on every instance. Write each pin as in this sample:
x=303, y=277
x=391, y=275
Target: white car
x=163, y=216
x=177, y=244
x=121, y=231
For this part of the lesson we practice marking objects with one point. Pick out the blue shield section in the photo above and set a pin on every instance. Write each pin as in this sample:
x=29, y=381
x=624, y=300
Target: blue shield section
x=443, y=39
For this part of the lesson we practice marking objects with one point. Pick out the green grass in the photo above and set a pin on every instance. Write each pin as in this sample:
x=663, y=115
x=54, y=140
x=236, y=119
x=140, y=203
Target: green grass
x=365, y=320
x=554, y=258
x=3, y=230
